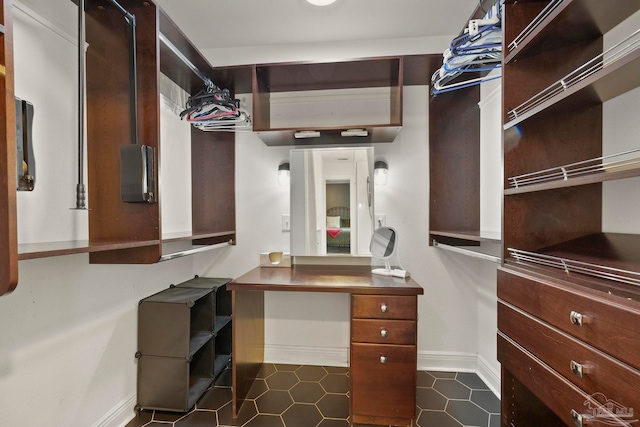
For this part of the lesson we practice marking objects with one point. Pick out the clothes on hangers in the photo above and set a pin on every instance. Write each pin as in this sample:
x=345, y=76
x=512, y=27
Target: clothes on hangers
x=214, y=109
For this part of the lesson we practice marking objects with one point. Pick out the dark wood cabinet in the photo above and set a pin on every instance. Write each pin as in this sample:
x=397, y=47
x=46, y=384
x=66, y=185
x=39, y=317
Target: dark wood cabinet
x=270, y=80
x=568, y=296
x=383, y=359
x=8, y=185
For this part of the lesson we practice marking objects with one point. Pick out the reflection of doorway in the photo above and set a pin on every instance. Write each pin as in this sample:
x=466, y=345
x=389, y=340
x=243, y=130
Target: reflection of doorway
x=338, y=202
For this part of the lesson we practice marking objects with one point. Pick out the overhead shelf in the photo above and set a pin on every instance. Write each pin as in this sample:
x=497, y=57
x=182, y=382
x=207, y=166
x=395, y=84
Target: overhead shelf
x=608, y=256
x=612, y=73
x=606, y=168
x=561, y=22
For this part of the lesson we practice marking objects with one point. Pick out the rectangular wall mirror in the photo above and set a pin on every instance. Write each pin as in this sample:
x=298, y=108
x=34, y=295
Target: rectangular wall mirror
x=332, y=209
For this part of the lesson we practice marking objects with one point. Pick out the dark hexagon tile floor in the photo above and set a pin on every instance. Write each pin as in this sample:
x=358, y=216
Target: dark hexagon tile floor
x=318, y=396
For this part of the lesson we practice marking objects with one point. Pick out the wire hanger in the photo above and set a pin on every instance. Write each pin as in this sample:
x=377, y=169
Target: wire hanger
x=214, y=109
x=478, y=49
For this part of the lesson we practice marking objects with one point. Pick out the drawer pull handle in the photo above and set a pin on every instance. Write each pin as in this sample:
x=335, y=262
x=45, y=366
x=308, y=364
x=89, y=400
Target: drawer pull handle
x=384, y=333
x=576, y=318
x=576, y=417
x=576, y=368
x=383, y=307
x=383, y=359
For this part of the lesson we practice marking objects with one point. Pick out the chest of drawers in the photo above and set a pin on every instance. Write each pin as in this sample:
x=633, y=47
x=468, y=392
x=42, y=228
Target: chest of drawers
x=575, y=349
x=383, y=359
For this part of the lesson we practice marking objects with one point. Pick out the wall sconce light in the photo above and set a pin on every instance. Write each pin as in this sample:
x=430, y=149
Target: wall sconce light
x=380, y=170
x=284, y=174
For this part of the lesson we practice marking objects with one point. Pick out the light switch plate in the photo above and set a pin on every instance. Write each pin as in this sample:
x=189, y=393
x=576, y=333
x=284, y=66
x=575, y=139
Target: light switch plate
x=286, y=222
x=381, y=220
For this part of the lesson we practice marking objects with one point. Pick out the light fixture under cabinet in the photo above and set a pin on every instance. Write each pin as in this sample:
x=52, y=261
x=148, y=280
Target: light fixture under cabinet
x=321, y=2
x=307, y=134
x=355, y=132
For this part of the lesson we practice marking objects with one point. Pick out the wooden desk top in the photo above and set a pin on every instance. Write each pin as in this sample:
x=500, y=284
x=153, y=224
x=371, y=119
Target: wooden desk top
x=324, y=278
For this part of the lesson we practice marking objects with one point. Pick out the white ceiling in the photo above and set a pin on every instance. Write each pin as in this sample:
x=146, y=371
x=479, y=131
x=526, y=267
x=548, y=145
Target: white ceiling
x=214, y=24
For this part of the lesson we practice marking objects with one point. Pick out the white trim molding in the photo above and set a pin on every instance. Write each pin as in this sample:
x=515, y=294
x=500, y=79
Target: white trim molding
x=300, y=355
x=120, y=415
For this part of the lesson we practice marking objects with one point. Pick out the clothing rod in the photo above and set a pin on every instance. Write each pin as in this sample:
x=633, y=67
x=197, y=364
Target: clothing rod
x=194, y=251
x=122, y=9
x=467, y=252
x=186, y=61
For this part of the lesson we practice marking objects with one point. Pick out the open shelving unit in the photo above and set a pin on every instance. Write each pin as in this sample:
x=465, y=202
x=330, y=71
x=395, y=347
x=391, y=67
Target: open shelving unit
x=554, y=167
x=558, y=170
x=184, y=343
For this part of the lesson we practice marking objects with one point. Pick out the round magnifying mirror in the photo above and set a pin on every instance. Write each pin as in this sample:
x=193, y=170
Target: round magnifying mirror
x=383, y=246
x=383, y=243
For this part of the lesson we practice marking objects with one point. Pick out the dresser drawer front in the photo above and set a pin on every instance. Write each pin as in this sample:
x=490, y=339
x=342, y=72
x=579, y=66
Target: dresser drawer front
x=567, y=401
x=609, y=326
x=383, y=331
x=586, y=367
x=383, y=380
x=384, y=307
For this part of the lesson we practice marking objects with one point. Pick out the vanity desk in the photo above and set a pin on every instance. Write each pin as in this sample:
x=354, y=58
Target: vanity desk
x=383, y=352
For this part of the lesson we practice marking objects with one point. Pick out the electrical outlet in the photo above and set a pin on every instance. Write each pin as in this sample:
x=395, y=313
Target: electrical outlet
x=381, y=220
x=286, y=222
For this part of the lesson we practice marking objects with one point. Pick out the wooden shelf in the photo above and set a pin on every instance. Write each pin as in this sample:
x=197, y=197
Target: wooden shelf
x=570, y=21
x=51, y=249
x=576, y=181
x=600, y=255
x=615, y=79
x=187, y=235
x=474, y=236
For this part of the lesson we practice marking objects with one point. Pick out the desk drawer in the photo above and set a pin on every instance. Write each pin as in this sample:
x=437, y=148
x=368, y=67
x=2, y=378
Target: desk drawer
x=605, y=324
x=384, y=307
x=586, y=367
x=383, y=380
x=383, y=331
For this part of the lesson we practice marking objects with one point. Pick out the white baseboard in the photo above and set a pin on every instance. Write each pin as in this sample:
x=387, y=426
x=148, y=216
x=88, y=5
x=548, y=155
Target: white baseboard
x=447, y=361
x=120, y=415
x=489, y=375
x=299, y=355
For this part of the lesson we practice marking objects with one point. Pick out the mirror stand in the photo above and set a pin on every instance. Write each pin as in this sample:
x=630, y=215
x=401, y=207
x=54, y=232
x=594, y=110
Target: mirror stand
x=383, y=246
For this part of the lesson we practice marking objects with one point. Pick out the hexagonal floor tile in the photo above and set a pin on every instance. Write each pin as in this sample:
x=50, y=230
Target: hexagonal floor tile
x=215, y=398
x=335, y=383
x=282, y=380
x=425, y=379
x=334, y=406
x=198, y=418
x=471, y=380
x=266, y=370
x=274, y=402
x=468, y=413
x=452, y=389
x=334, y=423
x=337, y=370
x=258, y=388
x=306, y=392
x=265, y=421
x=311, y=373
x=247, y=411
x=302, y=414
x=428, y=398
x=437, y=418
x=486, y=400
x=442, y=374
